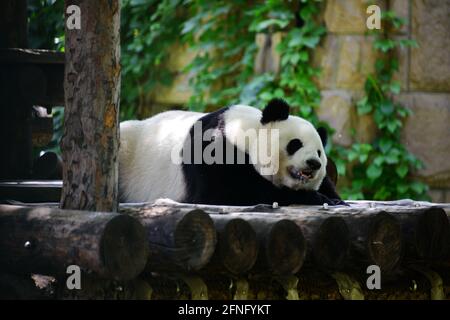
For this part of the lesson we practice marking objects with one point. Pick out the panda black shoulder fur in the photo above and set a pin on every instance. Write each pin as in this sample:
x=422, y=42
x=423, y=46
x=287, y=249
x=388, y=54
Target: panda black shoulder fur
x=237, y=155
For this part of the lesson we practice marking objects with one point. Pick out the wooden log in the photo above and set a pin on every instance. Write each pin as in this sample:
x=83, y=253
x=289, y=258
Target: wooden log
x=282, y=246
x=427, y=234
x=179, y=239
x=237, y=246
x=47, y=240
x=376, y=239
x=329, y=239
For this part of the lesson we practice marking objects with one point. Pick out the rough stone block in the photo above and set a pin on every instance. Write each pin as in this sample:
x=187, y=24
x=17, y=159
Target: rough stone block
x=427, y=134
x=336, y=110
x=356, y=61
x=430, y=62
x=326, y=58
x=347, y=16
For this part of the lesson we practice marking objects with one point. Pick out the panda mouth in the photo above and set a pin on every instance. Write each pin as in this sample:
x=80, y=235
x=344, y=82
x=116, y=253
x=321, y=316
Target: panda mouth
x=303, y=175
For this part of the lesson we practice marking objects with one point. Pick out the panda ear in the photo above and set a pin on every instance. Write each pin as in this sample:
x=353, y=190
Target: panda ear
x=323, y=135
x=276, y=110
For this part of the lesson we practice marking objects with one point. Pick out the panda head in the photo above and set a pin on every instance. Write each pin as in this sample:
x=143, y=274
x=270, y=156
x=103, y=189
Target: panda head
x=301, y=156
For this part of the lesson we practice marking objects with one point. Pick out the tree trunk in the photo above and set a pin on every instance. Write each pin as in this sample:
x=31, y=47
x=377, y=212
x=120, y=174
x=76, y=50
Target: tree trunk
x=92, y=89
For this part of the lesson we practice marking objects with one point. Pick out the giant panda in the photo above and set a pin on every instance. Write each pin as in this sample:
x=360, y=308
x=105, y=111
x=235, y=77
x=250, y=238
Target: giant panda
x=166, y=156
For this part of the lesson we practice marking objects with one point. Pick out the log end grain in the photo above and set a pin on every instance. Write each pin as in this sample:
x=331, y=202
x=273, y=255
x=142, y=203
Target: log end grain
x=433, y=235
x=331, y=243
x=384, y=241
x=196, y=238
x=123, y=248
x=238, y=246
x=286, y=248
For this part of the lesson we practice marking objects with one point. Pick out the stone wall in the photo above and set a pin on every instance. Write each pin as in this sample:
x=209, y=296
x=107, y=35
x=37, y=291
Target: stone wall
x=346, y=57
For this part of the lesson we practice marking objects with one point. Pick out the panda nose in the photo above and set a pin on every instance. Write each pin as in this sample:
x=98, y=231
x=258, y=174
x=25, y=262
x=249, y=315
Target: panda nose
x=313, y=164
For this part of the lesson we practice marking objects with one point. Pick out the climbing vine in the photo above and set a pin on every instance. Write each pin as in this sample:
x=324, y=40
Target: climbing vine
x=219, y=31
x=381, y=169
x=224, y=71
x=149, y=29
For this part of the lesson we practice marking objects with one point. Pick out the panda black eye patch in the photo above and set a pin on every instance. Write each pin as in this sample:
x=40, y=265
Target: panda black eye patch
x=293, y=146
x=319, y=153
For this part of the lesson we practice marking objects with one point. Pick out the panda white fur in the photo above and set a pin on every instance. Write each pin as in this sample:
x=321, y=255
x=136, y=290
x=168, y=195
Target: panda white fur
x=157, y=158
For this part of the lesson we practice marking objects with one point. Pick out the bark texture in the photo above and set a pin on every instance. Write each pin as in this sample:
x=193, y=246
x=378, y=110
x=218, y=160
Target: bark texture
x=47, y=240
x=92, y=89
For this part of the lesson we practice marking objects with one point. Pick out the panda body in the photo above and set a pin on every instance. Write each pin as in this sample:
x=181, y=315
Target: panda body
x=157, y=158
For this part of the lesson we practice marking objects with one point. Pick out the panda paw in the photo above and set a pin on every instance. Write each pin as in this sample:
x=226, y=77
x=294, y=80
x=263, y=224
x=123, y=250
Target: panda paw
x=338, y=202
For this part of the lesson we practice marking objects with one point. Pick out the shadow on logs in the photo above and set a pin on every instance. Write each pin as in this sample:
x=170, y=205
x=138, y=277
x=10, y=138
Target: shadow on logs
x=237, y=246
x=178, y=239
x=47, y=240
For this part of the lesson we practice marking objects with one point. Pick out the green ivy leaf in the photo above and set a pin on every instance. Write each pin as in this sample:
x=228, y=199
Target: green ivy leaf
x=382, y=193
x=352, y=155
x=418, y=187
x=363, y=106
x=392, y=157
x=340, y=166
x=379, y=160
x=311, y=42
x=402, y=188
x=384, y=45
x=395, y=87
x=264, y=25
x=402, y=170
x=387, y=107
x=373, y=171
x=304, y=56
x=363, y=158
x=266, y=96
x=403, y=43
x=385, y=144
x=393, y=125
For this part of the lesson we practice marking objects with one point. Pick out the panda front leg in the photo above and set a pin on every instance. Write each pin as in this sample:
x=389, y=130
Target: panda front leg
x=334, y=201
x=328, y=189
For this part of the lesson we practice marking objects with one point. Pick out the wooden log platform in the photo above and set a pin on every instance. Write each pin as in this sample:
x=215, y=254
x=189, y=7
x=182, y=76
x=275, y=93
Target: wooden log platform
x=270, y=252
